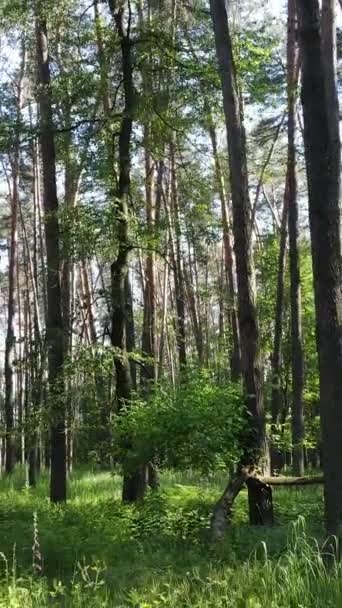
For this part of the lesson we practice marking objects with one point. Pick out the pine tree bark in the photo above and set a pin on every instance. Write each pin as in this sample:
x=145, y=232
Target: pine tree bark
x=255, y=443
x=297, y=357
x=329, y=50
x=249, y=333
x=54, y=324
x=323, y=165
x=134, y=483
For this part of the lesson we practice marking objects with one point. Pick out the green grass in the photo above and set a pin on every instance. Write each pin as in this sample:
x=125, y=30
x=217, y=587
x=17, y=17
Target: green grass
x=96, y=552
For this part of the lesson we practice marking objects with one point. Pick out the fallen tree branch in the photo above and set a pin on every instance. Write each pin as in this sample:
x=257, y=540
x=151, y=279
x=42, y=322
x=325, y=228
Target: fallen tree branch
x=223, y=508
x=292, y=481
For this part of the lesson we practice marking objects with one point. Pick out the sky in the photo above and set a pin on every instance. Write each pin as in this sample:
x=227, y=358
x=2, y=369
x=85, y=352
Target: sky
x=278, y=7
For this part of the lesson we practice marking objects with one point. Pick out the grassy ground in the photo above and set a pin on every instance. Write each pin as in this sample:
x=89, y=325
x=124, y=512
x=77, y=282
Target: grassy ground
x=96, y=552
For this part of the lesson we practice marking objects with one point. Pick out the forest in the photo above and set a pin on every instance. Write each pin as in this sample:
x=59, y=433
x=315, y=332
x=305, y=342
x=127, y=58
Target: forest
x=170, y=304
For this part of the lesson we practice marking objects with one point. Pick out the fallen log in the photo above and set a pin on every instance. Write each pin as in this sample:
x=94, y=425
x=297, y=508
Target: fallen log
x=263, y=513
x=292, y=481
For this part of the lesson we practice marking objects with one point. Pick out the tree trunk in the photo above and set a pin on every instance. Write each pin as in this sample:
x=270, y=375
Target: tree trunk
x=235, y=355
x=177, y=264
x=10, y=335
x=322, y=152
x=329, y=59
x=130, y=330
x=10, y=450
x=260, y=502
x=276, y=398
x=297, y=358
x=134, y=483
x=54, y=325
x=20, y=375
x=163, y=329
x=148, y=371
x=223, y=507
x=194, y=313
x=255, y=447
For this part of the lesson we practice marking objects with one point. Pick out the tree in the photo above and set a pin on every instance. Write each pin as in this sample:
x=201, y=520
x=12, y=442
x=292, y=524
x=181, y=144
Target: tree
x=322, y=152
x=276, y=395
x=134, y=481
x=54, y=323
x=228, y=259
x=12, y=274
x=249, y=335
x=297, y=358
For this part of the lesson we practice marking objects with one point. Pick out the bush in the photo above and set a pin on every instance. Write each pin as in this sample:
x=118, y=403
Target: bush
x=199, y=424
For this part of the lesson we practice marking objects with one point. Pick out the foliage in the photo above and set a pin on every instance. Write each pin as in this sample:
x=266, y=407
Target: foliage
x=197, y=424
x=267, y=269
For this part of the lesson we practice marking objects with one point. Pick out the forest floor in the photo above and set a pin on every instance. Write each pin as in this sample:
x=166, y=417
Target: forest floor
x=95, y=552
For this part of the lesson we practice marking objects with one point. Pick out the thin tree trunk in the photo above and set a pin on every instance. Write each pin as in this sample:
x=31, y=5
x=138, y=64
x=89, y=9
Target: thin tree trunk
x=130, y=329
x=197, y=329
x=102, y=61
x=235, y=355
x=276, y=398
x=177, y=264
x=36, y=351
x=263, y=170
x=19, y=356
x=10, y=334
x=163, y=330
x=297, y=358
x=87, y=301
x=148, y=371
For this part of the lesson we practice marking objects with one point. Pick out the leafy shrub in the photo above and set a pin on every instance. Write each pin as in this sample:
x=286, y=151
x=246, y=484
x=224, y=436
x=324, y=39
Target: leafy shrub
x=197, y=425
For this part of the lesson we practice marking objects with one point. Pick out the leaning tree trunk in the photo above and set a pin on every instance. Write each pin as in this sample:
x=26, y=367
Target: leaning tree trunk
x=54, y=323
x=297, y=358
x=322, y=152
x=255, y=447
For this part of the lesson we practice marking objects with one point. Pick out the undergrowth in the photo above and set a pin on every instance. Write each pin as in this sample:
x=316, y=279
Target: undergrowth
x=96, y=552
